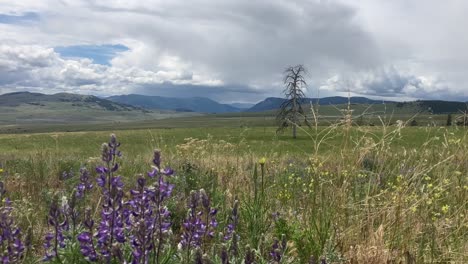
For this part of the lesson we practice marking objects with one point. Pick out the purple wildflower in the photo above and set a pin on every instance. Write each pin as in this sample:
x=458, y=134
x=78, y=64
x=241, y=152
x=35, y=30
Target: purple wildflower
x=224, y=255
x=55, y=240
x=232, y=222
x=278, y=249
x=157, y=158
x=112, y=224
x=140, y=219
x=86, y=238
x=148, y=216
x=85, y=184
x=66, y=175
x=10, y=234
x=200, y=225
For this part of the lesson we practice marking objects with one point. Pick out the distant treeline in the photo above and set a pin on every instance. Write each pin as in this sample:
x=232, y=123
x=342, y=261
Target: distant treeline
x=438, y=106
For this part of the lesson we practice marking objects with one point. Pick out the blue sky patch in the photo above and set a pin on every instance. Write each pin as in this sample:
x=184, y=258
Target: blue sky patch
x=100, y=54
x=19, y=19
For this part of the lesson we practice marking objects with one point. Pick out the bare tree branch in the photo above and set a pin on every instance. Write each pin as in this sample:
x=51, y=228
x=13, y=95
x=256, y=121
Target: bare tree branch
x=291, y=110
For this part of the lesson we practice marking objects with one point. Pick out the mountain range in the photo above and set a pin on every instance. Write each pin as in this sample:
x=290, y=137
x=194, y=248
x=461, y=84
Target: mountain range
x=39, y=99
x=25, y=108
x=193, y=104
x=21, y=107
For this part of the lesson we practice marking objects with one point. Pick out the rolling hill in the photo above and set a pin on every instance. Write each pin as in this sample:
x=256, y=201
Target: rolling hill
x=26, y=107
x=193, y=104
x=39, y=99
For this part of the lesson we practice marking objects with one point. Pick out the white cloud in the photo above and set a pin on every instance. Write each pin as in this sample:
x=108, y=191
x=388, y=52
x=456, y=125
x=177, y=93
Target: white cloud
x=33, y=67
x=382, y=48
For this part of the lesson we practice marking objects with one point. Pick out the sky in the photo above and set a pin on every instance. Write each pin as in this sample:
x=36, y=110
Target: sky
x=235, y=50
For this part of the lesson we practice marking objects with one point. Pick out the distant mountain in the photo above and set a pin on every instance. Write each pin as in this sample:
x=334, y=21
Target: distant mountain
x=194, y=104
x=242, y=106
x=272, y=103
x=269, y=103
x=26, y=107
x=39, y=99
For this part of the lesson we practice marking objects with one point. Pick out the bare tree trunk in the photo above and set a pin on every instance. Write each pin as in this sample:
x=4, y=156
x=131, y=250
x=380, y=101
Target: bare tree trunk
x=294, y=131
x=294, y=121
x=291, y=110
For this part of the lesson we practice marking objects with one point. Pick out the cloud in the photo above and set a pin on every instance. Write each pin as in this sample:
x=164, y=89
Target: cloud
x=396, y=83
x=216, y=43
x=238, y=48
x=37, y=68
x=224, y=93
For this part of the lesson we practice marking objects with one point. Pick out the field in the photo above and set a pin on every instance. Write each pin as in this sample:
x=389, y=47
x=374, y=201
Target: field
x=360, y=194
x=63, y=118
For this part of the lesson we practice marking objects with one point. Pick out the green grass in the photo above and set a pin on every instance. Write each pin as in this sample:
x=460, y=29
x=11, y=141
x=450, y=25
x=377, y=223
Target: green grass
x=258, y=140
x=67, y=113
x=362, y=194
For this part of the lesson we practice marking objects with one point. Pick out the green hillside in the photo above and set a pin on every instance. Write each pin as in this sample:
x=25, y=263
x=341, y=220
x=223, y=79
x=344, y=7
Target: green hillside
x=63, y=108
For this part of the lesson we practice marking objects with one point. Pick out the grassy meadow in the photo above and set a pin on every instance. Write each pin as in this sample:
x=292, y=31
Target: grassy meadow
x=360, y=194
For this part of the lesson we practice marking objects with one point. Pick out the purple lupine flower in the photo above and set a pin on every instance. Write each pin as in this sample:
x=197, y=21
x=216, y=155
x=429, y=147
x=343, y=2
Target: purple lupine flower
x=278, y=249
x=101, y=180
x=210, y=214
x=148, y=216
x=106, y=153
x=85, y=184
x=86, y=246
x=55, y=240
x=10, y=234
x=111, y=226
x=204, y=199
x=162, y=191
x=49, y=254
x=86, y=238
x=109, y=152
x=157, y=158
x=66, y=175
x=275, y=252
x=224, y=255
x=232, y=222
x=167, y=171
x=199, y=225
x=193, y=226
x=110, y=230
x=140, y=219
x=70, y=210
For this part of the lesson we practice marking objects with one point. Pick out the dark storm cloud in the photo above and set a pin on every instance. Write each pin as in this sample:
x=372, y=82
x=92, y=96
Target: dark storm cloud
x=224, y=93
x=390, y=82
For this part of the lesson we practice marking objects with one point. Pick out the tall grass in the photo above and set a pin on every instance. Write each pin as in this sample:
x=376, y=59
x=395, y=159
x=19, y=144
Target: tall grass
x=359, y=195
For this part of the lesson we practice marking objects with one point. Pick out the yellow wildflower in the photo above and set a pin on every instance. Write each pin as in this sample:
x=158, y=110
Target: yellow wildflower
x=445, y=209
x=262, y=161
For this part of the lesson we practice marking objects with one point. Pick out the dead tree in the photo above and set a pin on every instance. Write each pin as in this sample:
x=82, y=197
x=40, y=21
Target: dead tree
x=291, y=111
